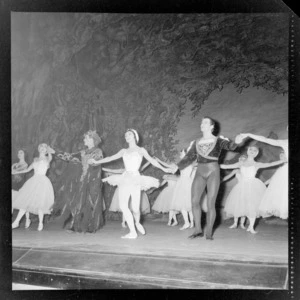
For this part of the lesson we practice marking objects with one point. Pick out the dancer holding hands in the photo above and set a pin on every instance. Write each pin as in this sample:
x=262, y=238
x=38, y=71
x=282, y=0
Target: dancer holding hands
x=131, y=182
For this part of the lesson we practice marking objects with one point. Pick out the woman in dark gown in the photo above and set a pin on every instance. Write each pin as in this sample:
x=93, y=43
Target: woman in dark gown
x=79, y=197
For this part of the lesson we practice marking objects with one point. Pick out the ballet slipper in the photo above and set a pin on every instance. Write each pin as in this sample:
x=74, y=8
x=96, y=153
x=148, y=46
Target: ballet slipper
x=130, y=235
x=242, y=226
x=251, y=230
x=124, y=225
x=40, y=227
x=233, y=226
x=27, y=223
x=175, y=223
x=15, y=225
x=192, y=225
x=185, y=226
x=140, y=228
x=169, y=223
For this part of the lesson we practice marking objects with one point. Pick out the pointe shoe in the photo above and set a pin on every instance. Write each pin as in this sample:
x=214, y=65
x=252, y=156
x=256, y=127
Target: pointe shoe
x=40, y=227
x=243, y=227
x=251, y=230
x=27, y=224
x=140, y=228
x=175, y=223
x=196, y=235
x=233, y=226
x=169, y=223
x=130, y=235
x=15, y=225
x=124, y=225
x=185, y=226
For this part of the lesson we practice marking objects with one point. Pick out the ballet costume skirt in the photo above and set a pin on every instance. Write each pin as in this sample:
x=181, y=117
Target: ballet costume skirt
x=115, y=204
x=37, y=193
x=275, y=200
x=182, y=197
x=132, y=176
x=245, y=197
x=162, y=203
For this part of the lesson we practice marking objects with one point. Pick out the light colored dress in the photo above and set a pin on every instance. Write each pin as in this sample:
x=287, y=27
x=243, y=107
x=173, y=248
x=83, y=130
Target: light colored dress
x=163, y=200
x=275, y=200
x=245, y=197
x=37, y=192
x=132, y=176
x=182, y=197
x=115, y=205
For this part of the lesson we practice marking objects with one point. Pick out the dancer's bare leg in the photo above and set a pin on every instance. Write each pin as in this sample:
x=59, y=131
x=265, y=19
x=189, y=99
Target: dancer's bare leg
x=234, y=225
x=136, y=199
x=243, y=222
x=124, y=195
x=123, y=221
x=191, y=216
x=174, y=218
x=186, y=220
x=251, y=225
x=28, y=221
x=16, y=223
x=41, y=219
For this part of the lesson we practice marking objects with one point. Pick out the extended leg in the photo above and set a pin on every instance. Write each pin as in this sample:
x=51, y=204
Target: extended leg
x=124, y=194
x=191, y=216
x=41, y=218
x=28, y=222
x=21, y=213
x=136, y=201
x=251, y=225
x=213, y=183
x=234, y=225
x=186, y=220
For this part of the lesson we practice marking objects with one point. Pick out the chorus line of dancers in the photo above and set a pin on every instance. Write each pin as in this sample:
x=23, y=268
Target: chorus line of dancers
x=193, y=190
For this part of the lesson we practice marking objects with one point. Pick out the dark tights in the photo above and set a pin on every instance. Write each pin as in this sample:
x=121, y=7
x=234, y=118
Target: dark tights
x=207, y=175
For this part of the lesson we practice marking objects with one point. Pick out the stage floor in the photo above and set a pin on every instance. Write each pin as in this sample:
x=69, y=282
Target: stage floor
x=164, y=257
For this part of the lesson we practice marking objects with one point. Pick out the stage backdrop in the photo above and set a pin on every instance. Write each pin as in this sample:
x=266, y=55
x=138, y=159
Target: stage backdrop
x=72, y=72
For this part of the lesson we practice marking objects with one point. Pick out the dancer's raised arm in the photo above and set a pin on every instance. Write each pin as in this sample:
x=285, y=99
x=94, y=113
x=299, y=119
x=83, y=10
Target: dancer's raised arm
x=278, y=143
x=106, y=159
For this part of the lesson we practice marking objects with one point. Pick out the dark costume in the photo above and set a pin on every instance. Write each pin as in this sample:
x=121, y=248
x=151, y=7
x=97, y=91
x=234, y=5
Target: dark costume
x=80, y=192
x=207, y=175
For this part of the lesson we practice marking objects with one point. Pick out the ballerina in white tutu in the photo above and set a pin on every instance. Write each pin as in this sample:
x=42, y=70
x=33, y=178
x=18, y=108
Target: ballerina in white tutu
x=245, y=197
x=275, y=200
x=238, y=175
x=115, y=205
x=131, y=182
x=36, y=195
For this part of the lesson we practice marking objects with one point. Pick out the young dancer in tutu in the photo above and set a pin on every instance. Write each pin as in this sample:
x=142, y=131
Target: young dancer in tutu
x=182, y=197
x=162, y=203
x=36, y=195
x=131, y=182
x=275, y=200
x=115, y=205
x=245, y=197
x=238, y=175
x=18, y=180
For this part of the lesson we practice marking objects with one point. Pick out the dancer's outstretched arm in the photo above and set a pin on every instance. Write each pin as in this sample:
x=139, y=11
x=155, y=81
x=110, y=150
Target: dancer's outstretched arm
x=113, y=171
x=22, y=171
x=145, y=166
x=268, y=165
x=232, y=166
x=230, y=175
x=278, y=143
x=106, y=159
x=153, y=161
x=163, y=163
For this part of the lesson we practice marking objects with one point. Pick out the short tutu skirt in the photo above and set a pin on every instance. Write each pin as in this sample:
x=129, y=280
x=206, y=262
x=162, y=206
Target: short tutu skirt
x=245, y=198
x=133, y=178
x=36, y=194
x=115, y=204
x=275, y=200
x=163, y=201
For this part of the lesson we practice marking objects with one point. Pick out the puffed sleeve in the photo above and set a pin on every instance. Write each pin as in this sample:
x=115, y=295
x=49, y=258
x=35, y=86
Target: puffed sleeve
x=189, y=158
x=226, y=144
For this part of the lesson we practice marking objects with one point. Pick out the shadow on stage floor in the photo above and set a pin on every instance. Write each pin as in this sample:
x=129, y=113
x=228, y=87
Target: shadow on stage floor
x=163, y=258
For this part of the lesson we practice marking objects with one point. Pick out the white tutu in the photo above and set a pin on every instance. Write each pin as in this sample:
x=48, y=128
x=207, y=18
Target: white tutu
x=36, y=194
x=163, y=200
x=245, y=197
x=275, y=199
x=144, y=204
x=183, y=190
x=132, y=178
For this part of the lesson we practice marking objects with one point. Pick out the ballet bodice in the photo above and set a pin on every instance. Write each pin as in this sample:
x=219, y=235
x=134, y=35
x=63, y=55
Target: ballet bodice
x=248, y=172
x=40, y=167
x=132, y=161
